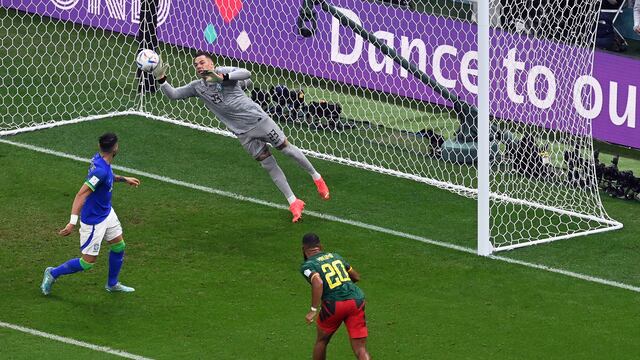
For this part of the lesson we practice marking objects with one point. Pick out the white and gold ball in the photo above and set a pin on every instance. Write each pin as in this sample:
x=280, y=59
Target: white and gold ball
x=147, y=60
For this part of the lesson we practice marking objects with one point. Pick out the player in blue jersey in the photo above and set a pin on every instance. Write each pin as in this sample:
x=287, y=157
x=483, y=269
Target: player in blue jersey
x=98, y=221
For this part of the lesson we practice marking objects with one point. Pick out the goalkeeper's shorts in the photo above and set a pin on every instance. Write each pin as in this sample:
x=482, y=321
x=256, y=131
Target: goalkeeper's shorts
x=255, y=140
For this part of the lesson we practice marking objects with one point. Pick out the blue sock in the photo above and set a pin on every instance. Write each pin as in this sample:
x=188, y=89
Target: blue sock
x=70, y=267
x=115, y=264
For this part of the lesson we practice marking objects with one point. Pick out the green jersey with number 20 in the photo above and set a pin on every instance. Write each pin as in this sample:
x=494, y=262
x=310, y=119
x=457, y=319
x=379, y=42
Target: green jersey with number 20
x=334, y=272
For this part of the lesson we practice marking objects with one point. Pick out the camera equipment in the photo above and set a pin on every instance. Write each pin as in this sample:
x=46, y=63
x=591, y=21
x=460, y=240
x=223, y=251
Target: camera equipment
x=262, y=98
x=435, y=141
x=528, y=158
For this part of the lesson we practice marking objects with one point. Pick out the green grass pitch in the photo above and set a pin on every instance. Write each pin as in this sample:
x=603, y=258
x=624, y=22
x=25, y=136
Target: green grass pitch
x=218, y=278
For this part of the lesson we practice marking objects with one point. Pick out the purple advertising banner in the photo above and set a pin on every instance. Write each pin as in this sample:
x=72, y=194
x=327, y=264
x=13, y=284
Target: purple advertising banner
x=616, y=118
x=534, y=81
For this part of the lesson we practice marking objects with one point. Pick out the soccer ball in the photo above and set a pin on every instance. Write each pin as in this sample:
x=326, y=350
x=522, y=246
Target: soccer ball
x=147, y=60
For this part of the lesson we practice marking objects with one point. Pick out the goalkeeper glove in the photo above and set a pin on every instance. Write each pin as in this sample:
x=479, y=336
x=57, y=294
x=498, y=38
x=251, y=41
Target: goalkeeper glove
x=160, y=71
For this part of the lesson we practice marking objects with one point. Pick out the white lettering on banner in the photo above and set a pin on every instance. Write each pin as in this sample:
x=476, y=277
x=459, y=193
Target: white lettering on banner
x=117, y=9
x=387, y=62
x=405, y=51
x=578, y=99
x=512, y=65
x=94, y=7
x=65, y=4
x=587, y=90
x=135, y=11
x=336, y=56
x=465, y=71
x=551, y=87
x=163, y=11
x=437, y=69
x=629, y=115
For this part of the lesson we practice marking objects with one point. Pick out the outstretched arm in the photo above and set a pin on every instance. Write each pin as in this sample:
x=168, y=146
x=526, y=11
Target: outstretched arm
x=182, y=92
x=129, y=180
x=160, y=74
x=238, y=74
x=228, y=73
x=78, y=202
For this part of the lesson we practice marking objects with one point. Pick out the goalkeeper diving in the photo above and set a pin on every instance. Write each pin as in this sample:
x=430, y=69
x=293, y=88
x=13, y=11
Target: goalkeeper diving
x=220, y=90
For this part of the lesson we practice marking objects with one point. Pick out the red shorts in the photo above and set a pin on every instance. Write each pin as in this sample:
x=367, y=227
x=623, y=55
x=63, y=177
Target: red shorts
x=351, y=311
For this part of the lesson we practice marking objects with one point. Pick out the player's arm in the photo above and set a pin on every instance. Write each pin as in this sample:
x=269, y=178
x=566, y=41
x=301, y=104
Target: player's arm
x=228, y=73
x=76, y=207
x=353, y=274
x=160, y=74
x=129, y=180
x=172, y=93
x=236, y=74
x=245, y=84
x=316, y=297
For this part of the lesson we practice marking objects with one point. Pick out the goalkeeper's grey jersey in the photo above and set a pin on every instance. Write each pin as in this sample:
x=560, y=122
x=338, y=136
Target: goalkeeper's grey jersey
x=225, y=99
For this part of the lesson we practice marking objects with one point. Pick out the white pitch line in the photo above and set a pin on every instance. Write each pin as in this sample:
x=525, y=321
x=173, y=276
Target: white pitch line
x=75, y=342
x=335, y=219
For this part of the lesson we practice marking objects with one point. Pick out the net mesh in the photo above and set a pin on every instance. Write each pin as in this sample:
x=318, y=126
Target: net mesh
x=336, y=94
x=55, y=70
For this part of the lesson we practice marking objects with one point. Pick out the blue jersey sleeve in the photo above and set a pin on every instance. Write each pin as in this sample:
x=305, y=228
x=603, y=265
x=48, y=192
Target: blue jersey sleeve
x=96, y=178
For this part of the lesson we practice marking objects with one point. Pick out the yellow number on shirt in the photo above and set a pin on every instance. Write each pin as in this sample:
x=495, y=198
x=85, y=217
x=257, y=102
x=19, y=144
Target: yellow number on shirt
x=335, y=274
x=342, y=272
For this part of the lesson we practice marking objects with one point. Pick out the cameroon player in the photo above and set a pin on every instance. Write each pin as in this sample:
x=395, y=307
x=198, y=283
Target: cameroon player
x=335, y=296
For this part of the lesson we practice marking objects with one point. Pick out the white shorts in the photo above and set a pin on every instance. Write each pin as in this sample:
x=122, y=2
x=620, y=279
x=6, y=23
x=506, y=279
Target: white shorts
x=91, y=236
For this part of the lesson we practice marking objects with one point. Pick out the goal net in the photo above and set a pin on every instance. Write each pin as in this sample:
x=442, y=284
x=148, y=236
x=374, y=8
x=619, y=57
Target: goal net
x=389, y=86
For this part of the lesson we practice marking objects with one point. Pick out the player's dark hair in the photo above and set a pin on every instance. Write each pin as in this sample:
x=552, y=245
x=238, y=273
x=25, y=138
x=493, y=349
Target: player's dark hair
x=205, y=54
x=107, y=142
x=310, y=240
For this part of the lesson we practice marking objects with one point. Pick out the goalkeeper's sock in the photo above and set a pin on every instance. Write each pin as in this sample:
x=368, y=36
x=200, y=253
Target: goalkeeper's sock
x=293, y=152
x=70, y=267
x=277, y=176
x=116, y=258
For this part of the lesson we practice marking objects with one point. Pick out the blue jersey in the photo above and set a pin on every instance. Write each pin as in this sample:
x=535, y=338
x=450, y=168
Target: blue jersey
x=98, y=204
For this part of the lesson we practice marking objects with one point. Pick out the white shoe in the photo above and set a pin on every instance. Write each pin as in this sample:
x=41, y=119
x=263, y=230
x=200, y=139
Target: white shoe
x=119, y=288
x=47, y=281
